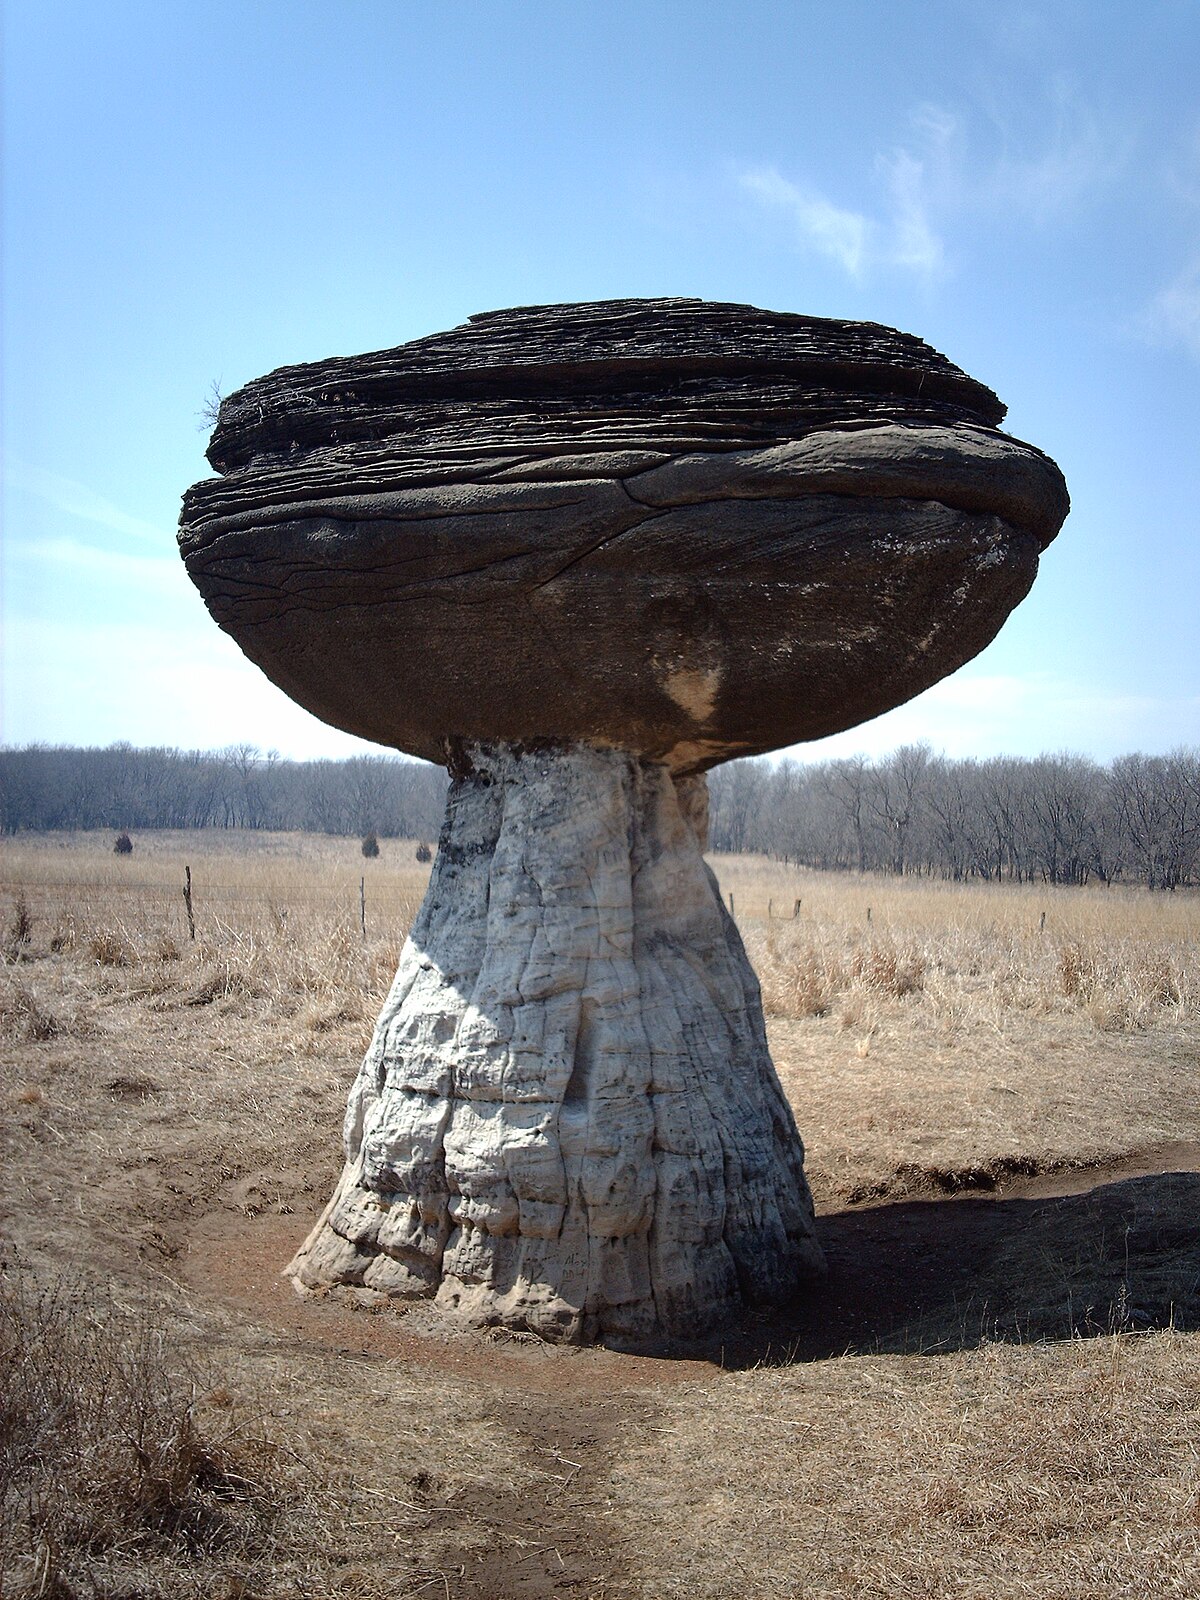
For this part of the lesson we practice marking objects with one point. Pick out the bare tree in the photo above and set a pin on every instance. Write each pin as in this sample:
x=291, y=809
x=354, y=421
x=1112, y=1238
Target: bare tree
x=846, y=783
x=897, y=795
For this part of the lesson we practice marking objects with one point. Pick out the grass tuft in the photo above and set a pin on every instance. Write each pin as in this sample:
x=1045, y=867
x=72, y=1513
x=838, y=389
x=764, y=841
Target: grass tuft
x=20, y=930
x=24, y=1017
x=111, y=947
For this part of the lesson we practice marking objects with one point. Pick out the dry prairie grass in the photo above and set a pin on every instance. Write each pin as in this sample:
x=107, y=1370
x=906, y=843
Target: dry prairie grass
x=123, y=1442
x=1017, y=1411
x=1068, y=1471
x=914, y=906
x=277, y=917
x=962, y=1024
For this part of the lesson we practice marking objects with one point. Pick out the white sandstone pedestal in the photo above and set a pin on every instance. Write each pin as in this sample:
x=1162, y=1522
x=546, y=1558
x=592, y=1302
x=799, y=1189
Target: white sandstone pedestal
x=568, y=1120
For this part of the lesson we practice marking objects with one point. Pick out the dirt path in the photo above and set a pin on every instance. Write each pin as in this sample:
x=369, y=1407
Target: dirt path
x=557, y=1539
x=891, y=1261
x=894, y=1266
x=237, y=1260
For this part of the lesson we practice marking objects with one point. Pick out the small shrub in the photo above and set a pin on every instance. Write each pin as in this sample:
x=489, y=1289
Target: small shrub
x=424, y=853
x=809, y=989
x=1076, y=972
x=123, y=846
x=20, y=930
x=893, y=972
x=323, y=1018
x=23, y=1017
x=132, y=1087
x=109, y=949
x=800, y=982
x=370, y=845
x=225, y=978
x=1119, y=987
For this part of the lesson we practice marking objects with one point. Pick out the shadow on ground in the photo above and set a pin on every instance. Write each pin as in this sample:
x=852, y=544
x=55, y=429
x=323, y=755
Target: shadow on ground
x=934, y=1275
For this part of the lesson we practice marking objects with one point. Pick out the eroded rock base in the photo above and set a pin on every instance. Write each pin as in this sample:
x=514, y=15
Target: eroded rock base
x=568, y=1120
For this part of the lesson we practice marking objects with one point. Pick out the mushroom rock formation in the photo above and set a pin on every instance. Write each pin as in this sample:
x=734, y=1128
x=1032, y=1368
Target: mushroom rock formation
x=580, y=554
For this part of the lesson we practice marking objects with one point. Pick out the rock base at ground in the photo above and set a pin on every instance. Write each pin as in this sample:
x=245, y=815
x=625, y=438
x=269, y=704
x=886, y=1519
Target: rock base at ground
x=568, y=1120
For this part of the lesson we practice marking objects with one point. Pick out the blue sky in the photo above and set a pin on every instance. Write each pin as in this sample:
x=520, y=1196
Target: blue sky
x=198, y=191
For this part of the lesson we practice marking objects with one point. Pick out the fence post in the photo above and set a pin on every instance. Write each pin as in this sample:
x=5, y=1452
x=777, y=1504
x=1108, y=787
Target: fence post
x=795, y=910
x=362, y=905
x=187, y=901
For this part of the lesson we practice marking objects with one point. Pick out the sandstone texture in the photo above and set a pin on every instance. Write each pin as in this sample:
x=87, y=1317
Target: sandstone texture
x=580, y=554
x=684, y=529
x=568, y=1120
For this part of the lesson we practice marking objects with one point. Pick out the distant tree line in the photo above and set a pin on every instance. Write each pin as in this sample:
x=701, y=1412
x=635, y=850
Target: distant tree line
x=122, y=787
x=1053, y=819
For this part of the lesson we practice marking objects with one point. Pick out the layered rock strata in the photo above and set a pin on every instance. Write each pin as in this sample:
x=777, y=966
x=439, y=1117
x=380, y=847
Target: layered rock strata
x=568, y=1120
x=690, y=530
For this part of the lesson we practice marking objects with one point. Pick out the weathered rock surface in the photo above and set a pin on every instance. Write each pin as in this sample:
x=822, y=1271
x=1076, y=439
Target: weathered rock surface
x=580, y=554
x=690, y=530
x=568, y=1120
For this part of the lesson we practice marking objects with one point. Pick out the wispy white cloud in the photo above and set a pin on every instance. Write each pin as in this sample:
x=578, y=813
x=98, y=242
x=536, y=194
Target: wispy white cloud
x=1038, y=157
x=1173, y=316
x=844, y=236
x=77, y=500
x=902, y=236
x=1183, y=170
x=1053, y=160
x=911, y=239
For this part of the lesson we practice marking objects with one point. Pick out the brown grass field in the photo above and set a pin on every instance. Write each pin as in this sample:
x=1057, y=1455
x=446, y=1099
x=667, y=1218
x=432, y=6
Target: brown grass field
x=995, y=1393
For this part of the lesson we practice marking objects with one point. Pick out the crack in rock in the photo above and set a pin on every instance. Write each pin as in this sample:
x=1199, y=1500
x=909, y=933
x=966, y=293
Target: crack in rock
x=568, y=1120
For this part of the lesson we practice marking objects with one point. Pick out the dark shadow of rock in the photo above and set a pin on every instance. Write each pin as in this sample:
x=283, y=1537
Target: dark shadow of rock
x=931, y=1276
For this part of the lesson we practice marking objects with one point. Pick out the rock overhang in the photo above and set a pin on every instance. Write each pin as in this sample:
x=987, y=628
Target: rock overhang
x=690, y=529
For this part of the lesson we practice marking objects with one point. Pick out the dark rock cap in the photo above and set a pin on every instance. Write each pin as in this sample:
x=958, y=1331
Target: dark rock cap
x=694, y=530
x=687, y=371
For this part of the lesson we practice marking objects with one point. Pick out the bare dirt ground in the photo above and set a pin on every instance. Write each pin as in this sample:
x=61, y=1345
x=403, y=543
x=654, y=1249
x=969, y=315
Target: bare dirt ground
x=995, y=1391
